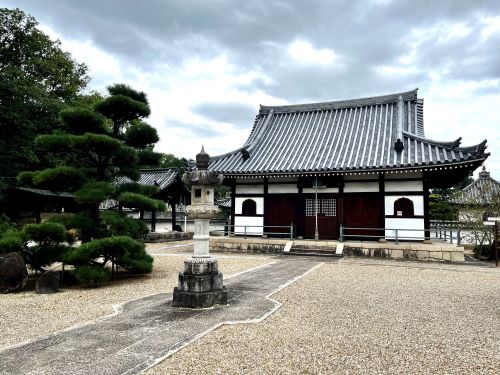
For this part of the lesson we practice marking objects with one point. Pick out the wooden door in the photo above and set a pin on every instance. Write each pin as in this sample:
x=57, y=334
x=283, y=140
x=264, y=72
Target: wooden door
x=328, y=227
x=280, y=210
x=363, y=211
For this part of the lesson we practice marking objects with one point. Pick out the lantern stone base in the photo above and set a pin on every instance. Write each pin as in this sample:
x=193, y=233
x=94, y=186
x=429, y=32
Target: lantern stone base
x=200, y=285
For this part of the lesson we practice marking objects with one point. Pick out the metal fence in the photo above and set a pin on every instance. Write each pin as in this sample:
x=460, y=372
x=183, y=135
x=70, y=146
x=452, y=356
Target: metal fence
x=447, y=231
x=247, y=230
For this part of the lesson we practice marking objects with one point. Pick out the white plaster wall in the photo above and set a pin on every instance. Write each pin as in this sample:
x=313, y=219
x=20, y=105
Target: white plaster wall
x=418, y=203
x=238, y=202
x=404, y=223
x=361, y=187
x=282, y=189
x=248, y=220
x=249, y=189
x=404, y=186
x=320, y=191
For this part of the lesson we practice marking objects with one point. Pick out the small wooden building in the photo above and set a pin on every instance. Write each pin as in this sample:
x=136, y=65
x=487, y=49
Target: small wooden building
x=171, y=189
x=362, y=163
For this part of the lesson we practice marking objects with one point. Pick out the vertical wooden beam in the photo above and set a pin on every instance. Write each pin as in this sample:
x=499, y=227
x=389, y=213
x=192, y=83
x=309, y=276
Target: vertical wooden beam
x=300, y=212
x=425, y=184
x=340, y=203
x=153, y=221
x=233, y=205
x=381, y=197
x=266, y=193
x=174, y=213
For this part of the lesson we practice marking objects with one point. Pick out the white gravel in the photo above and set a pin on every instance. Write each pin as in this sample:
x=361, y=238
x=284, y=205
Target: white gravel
x=27, y=315
x=364, y=316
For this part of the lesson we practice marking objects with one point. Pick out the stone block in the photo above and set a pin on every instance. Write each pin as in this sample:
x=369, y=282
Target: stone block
x=424, y=247
x=436, y=255
x=199, y=300
x=457, y=256
x=399, y=246
x=397, y=253
x=422, y=254
x=446, y=255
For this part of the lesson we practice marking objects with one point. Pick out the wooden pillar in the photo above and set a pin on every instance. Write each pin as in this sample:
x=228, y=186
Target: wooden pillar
x=266, y=197
x=340, y=202
x=174, y=213
x=153, y=221
x=233, y=205
x=425, y=184
x=141, y=214
x=300, y=214
x=381, y=197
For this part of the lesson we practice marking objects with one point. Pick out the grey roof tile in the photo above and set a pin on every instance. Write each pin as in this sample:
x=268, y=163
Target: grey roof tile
x=162, y=178
x=357, y=134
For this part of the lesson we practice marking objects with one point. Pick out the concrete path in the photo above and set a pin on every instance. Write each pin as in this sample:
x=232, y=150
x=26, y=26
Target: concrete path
x=149, y=329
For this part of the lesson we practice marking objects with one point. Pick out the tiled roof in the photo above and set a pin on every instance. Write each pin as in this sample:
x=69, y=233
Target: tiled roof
x=224, y=202
x=162, y=178
x=348, y=135
x=482, y=190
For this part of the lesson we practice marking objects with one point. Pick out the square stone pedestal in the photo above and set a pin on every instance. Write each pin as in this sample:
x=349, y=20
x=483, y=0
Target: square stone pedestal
x=200, y=285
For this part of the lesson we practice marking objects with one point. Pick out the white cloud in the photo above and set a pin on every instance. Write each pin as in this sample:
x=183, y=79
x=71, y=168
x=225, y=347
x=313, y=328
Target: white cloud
x=304, y=52
x=491, y=26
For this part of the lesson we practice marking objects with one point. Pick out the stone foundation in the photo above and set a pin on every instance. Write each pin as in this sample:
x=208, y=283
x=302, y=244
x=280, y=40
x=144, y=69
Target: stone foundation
x=248, y=245
x=167, y=236
x=443, y=252
x=200, y=285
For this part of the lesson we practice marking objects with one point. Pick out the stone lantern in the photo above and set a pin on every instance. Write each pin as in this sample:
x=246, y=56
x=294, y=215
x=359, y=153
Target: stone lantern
x=200, y=285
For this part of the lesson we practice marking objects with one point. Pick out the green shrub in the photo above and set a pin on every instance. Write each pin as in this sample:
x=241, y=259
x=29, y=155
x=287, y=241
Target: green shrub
x=94, y=193
x=48, y=249
x=91, y=275
x=46, y=233
x=12, y=241
x=41, y=256
x=121, y=225
x=129, y=254
x=5, y=224
x=59, y=179
x=141, y=202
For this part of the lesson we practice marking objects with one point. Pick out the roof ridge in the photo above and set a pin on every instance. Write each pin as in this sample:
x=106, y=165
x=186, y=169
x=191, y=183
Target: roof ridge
x=372, y=100
x=451, y=144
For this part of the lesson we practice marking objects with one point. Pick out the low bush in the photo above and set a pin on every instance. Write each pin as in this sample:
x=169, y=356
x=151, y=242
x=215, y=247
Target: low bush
x=12, y=241
x=121, y=225
x=91, y=275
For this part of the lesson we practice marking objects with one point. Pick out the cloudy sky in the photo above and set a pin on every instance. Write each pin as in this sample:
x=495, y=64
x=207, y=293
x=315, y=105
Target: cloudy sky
x=206, y=65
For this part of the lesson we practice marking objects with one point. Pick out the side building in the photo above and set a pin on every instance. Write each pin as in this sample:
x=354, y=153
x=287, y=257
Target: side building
x=361, y=164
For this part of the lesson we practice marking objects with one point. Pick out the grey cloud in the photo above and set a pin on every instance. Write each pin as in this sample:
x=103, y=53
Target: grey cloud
x=253, y=34
x=191, y=129
x=236, y=114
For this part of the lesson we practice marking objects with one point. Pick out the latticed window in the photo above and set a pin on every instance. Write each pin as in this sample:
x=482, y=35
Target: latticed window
x=326, y=207
x=329, y=207
x=249, y=207
x=403, y=207
x=310, y=207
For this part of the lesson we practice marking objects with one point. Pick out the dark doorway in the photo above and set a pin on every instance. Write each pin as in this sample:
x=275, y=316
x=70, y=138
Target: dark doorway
x=280, y=211
x=363, y=211
x=328, y=227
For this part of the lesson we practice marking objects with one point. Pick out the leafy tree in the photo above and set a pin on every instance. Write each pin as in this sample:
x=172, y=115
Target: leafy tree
x=37, y=80
x=473, y=212
x=97, y=148
x=171, y=161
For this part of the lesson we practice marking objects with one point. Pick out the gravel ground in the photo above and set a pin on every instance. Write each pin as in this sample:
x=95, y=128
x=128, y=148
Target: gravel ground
x=363, y=316
x=27, y=315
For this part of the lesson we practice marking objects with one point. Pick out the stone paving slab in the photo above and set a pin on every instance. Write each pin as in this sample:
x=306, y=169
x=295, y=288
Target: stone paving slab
x=149, y=329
